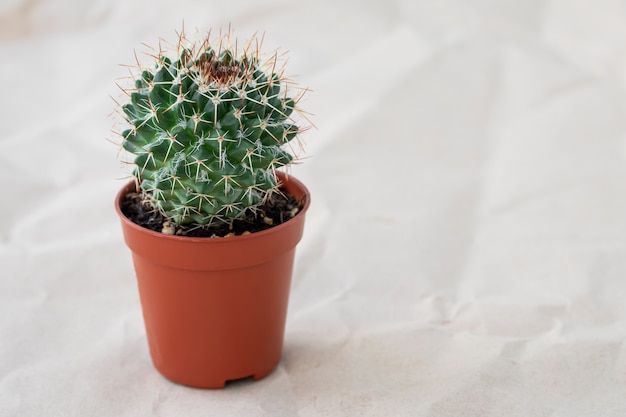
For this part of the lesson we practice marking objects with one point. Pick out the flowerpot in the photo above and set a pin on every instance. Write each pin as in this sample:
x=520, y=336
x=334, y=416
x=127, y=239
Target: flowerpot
x=215, y=308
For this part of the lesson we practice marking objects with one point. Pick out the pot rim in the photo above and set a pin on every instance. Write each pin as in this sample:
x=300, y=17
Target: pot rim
x=284, y=177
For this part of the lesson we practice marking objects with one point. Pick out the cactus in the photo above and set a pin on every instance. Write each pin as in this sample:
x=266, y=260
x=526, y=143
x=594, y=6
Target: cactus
x=208, y=129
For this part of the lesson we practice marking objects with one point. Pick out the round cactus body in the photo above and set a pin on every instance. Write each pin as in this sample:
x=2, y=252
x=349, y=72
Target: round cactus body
x=207, y=132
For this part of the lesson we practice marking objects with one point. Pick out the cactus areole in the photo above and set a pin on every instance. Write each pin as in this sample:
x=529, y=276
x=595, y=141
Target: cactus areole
x=208, y=129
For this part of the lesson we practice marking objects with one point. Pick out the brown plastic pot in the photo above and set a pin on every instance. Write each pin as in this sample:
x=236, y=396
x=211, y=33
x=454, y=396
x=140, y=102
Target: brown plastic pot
x=215, y=308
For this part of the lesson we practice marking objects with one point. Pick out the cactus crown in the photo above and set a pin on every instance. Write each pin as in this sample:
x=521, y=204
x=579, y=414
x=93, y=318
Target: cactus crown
x=207, y=129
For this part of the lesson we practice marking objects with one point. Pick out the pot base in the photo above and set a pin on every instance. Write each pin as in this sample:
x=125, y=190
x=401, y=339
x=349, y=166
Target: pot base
x=219, y=383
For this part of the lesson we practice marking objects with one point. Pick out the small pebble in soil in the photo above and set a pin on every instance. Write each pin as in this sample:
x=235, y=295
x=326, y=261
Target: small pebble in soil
x=168, y=228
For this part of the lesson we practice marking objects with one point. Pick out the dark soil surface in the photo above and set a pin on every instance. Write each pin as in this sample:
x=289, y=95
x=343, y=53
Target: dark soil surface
x=278, y=209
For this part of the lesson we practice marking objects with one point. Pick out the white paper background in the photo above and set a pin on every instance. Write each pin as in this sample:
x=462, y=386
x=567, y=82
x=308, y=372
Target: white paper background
x=465, y=253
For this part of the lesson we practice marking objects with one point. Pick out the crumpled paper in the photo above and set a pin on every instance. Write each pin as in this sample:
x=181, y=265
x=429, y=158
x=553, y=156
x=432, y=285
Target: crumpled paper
x=465, y=251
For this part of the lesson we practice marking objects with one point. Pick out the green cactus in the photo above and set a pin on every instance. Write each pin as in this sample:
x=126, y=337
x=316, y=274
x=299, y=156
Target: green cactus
x=207, y=130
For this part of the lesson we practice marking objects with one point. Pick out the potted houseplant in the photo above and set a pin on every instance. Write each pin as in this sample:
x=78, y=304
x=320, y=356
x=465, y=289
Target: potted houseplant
x=211, y=220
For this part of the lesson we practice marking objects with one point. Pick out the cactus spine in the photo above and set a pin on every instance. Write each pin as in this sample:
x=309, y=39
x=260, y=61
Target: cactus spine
x=208, y=129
